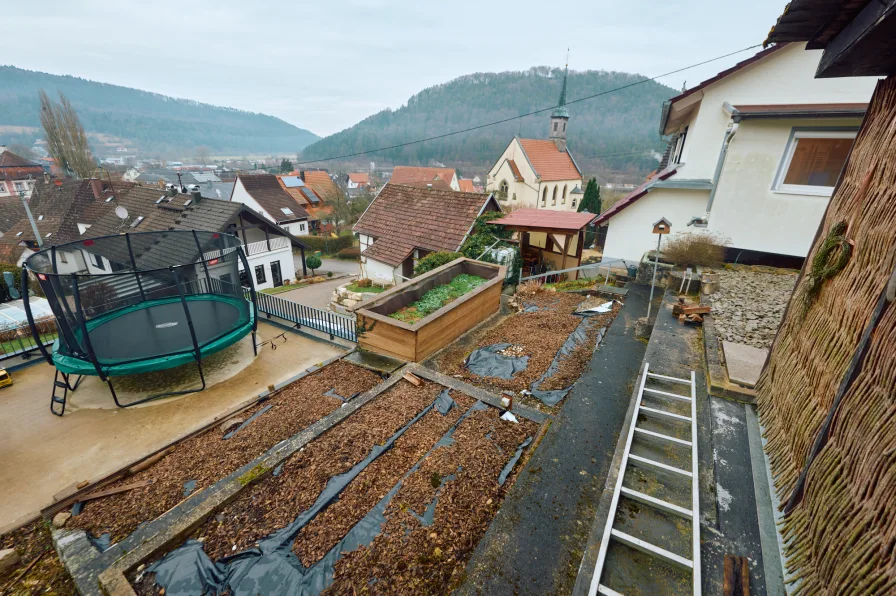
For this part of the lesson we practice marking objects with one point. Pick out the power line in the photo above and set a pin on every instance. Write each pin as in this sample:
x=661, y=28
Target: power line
x=512, y=118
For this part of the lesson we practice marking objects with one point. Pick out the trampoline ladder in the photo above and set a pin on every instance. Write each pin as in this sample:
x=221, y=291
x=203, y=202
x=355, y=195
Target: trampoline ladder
x=55, y=400
x=668, y=473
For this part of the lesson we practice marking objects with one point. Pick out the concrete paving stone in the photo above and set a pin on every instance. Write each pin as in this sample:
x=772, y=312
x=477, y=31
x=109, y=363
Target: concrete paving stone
x=744, y=362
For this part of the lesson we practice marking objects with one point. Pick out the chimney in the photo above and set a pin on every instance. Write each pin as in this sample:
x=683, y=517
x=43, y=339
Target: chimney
x=46, y=177
x=197, y=196
x=96, y=185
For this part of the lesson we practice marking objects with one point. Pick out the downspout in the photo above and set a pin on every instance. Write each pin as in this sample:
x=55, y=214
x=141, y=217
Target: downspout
x=729, y=135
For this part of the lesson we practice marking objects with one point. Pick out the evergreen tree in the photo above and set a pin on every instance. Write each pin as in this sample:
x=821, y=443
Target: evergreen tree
x=591, y=201
x=285, y=166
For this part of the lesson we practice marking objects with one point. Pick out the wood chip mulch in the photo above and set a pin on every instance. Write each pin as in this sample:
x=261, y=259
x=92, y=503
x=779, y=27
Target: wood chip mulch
x=207, y=458
x=542, y=333
x=276, y=501
x=46, y=576
x=409, y=558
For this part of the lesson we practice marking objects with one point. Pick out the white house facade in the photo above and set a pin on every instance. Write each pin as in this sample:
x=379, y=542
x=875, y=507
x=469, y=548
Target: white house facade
x=754, y=155
x=263, y=194
x=539, y=173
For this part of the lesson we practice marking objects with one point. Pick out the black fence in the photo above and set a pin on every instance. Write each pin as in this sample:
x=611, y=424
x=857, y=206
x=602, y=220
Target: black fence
x=19, y=341
x=334, y=324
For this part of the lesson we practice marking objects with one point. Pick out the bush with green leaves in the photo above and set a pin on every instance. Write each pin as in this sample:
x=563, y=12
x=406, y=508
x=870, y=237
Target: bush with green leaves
x=327, y=244
x=435, y=260
x=438, y=297
x=313, y=262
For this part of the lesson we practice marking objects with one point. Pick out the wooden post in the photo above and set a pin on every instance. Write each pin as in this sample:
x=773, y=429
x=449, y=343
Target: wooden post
x=565, y=250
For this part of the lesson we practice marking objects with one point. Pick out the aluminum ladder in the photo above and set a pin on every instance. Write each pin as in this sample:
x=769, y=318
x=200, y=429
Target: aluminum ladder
x=668, y=408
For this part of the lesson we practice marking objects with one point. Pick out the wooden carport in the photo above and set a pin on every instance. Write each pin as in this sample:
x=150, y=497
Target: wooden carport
x=549, y=240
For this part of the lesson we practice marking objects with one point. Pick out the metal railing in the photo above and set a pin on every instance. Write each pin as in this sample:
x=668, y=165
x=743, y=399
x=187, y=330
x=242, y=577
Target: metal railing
x=16, y=341
x=253, y=248
x=585, y=271
x=334, y=324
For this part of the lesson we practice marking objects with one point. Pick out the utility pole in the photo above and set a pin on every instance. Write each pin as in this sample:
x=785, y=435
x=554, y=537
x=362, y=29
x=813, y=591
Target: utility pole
x=40, y=242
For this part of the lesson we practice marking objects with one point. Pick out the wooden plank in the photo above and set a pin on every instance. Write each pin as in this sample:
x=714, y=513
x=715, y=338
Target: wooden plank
x=438, y=333
x=114, y=491
x=696, y=310
x=412, y=379
x=736, y=576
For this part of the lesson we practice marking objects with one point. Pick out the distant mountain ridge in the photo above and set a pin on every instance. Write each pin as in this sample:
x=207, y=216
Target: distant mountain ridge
x=154, y=123
x=619, y=122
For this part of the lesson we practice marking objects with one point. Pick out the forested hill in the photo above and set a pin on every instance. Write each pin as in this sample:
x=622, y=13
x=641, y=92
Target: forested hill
x=625, y=121
x=153, y=123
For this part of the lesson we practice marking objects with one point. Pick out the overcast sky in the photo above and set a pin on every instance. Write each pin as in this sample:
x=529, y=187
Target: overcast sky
x=328, y=64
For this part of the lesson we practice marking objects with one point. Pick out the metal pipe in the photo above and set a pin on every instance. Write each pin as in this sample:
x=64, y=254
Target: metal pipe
x=34, y=332
x=40, y=242
x=656, y=261
x=127, y=238
x=729, y=134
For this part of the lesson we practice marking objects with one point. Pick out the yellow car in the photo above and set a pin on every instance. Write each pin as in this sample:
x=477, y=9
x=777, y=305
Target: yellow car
x=5, y=379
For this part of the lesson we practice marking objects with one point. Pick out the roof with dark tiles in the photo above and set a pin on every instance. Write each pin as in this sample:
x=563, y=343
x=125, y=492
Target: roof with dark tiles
x=273, y=198
x=403, y=217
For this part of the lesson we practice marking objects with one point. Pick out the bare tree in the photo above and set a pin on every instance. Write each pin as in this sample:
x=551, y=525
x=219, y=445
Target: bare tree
x=203, y=155
x=66, y=139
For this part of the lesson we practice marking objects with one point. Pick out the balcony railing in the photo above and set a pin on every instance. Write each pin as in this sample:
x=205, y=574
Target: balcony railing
x=253, y=248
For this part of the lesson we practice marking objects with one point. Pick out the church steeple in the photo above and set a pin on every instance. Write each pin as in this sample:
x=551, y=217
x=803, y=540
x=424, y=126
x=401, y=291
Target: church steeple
x=560, y=117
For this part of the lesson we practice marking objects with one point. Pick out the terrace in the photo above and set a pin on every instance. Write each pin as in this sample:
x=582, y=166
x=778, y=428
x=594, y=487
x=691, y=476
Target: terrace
x=423, y=461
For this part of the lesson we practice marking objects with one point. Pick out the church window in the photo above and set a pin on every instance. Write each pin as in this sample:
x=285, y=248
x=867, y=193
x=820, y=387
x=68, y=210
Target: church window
x=514, y=196
x=554, y=197
x=564, y=127
x=573, y=203
x=544, y=197
x=502, y=190
x=563, y=199
x=555, y=127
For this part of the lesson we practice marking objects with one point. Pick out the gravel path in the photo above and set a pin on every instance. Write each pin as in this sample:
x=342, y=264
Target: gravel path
x=750, y=303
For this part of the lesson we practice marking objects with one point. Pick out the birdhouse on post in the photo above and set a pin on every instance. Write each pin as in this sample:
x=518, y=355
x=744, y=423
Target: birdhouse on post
x=662, y=226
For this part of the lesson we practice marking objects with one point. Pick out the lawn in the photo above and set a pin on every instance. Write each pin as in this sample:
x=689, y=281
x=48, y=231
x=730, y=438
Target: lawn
x=282, y=289
x=16, y=345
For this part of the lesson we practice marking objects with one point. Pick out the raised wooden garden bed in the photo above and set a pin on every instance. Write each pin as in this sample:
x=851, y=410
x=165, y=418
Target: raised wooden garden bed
x=415, y=341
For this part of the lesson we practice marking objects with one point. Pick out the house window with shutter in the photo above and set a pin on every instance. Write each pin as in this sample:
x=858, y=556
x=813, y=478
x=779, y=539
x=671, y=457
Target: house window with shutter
x=813, y=160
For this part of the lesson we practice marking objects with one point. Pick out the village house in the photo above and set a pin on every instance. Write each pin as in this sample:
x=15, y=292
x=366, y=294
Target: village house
x=538, y=173
x=85, y=209
x=17, y=174
x=754, y=155
x=444, y=178
x=322, y=184
x=357, y=183
x=311, y=201
x=264, y=194
x=404, y=223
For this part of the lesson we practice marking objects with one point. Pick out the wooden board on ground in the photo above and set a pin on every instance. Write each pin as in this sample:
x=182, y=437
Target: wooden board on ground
x=736, y=580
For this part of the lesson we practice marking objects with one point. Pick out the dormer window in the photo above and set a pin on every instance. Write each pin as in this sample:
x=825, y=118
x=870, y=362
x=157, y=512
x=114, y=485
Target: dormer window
x=137, y=221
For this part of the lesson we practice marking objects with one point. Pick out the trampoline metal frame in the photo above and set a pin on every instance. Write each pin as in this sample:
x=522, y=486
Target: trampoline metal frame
x=66, y=385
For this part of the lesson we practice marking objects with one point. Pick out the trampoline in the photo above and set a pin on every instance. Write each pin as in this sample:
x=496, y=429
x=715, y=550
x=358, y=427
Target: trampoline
x=138, y=303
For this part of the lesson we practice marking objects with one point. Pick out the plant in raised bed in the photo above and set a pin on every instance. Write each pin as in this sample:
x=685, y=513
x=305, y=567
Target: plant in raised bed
x=438, y=297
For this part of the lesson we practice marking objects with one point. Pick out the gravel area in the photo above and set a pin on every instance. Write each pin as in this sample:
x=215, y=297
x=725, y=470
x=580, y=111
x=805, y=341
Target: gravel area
x=46, y=576
x=207, y=457
x=750, y=303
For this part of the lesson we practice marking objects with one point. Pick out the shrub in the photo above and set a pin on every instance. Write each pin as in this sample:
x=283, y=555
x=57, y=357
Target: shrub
x=353, y=253
x=692, y=249
x=364, y=283
x=329, y=274
x=313, y=262
x=434, y=260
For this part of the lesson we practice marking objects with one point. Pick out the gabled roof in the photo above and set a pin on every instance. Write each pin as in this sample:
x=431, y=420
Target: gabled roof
x=74, y=202
x=322, y=184
x=466, y=185
x=16, y=167
x=420, y=176
x=549, y=162
x=634, y=195
x=11, y=211
x=667, y=105
x=359, y=177
x=268, y=192
x=403, y=217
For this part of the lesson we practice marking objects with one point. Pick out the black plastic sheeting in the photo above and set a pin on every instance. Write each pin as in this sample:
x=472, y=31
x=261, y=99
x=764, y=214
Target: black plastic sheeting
x=248, y=422
x=486, y=362
x=575, y=339
x=508, y=467
x=444, y=403
x=272, y=568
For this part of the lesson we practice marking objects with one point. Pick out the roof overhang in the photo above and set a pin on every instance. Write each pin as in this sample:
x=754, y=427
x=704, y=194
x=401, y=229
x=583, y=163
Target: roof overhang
x=858, y=36
x=545, y=220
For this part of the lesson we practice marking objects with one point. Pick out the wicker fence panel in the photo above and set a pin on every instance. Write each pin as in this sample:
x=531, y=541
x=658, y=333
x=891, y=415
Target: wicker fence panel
x=840, y=539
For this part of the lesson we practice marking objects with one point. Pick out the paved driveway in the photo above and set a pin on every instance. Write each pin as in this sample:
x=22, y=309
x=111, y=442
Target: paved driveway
x=337, y=266
x=316, y=295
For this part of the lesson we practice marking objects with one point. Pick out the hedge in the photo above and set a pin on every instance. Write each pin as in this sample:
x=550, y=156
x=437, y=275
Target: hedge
x=327, y=244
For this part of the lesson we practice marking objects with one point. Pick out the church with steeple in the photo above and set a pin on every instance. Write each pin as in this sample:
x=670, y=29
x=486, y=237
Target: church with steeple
x=539, y=173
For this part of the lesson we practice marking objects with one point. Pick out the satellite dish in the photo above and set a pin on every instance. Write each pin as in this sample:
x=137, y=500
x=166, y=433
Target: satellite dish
x=121, y=212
